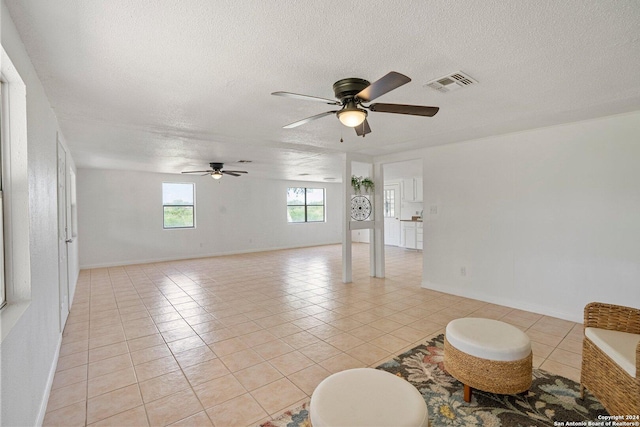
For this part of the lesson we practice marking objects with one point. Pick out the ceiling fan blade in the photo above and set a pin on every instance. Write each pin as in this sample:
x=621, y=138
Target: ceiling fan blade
x=230, y=173
x=414, y=110
x=383, y=85
x=309, y=119
x=235, y=171
x=307, y=97
x=209, y=171
x=363, y=129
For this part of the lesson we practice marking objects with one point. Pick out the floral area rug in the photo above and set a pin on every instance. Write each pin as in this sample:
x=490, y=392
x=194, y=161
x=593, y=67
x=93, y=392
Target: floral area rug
x=551, y=398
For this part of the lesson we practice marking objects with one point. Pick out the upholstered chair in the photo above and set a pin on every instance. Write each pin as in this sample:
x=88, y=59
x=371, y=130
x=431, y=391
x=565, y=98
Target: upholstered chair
x=611, y=357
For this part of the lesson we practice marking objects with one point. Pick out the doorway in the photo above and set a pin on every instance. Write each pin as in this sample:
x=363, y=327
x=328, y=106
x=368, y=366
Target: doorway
x=391, y=207
x=402, y=197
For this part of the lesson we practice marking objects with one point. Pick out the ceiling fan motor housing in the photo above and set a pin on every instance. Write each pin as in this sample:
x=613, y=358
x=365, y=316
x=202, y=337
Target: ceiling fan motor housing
x=216, y=166
x=346, y=89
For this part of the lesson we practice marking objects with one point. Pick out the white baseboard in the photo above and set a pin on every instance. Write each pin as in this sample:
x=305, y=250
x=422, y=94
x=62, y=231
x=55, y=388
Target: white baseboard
x=508, y=302
x=198, y=256
x=47, y=389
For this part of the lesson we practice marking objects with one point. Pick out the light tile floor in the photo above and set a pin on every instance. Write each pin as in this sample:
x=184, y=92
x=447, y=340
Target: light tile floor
x=236, y=340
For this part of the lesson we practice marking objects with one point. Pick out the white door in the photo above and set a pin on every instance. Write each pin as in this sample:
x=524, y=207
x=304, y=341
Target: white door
x=63, y=266
x=391, y=208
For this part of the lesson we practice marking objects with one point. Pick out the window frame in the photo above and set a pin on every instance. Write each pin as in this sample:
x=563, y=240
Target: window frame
x=306, y=206
x=169, y=205
x=16, y=209
x=3, y=242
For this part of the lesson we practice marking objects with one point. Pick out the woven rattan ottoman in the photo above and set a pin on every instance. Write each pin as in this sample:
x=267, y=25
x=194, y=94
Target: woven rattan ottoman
x=488, y=355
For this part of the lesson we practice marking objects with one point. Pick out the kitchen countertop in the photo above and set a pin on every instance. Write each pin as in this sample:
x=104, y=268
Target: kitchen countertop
x=410, y=220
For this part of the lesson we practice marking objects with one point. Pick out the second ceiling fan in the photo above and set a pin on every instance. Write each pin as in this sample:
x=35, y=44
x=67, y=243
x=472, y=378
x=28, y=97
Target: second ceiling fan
x=352, y=93
x=216, y=171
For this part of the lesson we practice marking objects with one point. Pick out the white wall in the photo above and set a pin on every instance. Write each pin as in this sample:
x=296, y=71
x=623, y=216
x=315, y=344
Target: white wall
x=545, y=220
x=361, y=236
x=120, y=217
x=28, y=352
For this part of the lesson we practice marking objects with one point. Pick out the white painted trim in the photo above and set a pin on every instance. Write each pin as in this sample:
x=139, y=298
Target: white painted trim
x=10, y=315
x=214, y=254
x=508, y=302
x=347, y=267
x=47, y=393
x=363, y=225
x=377, y=251
x=15, y=196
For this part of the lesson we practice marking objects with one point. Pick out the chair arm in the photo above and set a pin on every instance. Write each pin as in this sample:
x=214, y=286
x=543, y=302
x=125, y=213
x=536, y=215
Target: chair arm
x=638, y=362
x=612, y=317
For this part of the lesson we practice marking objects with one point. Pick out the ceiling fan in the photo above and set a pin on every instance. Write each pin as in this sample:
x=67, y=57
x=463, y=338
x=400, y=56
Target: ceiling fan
x=352, y=92
x=216, y=171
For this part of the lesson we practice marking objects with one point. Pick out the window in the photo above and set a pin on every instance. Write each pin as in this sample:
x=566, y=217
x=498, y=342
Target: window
x=16, y=292
x=305, y=204
x=389, y=203
x=178, y=205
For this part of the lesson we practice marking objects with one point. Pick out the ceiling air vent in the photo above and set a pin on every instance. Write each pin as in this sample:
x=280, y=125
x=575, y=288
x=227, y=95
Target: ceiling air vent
x=451, y=82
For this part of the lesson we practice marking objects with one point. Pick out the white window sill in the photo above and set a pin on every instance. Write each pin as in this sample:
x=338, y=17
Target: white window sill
x=9, y=316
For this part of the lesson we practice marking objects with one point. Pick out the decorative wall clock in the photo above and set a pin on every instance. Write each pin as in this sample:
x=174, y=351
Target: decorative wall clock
x=360, y=208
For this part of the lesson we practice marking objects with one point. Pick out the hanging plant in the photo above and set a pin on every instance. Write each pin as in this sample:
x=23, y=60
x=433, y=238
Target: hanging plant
x=355, y=183
x=368, y=185
x=358, y=183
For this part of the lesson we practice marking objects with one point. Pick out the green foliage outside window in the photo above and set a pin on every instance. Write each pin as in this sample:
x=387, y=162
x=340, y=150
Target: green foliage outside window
x=178, y=216
x=305, y=204
x=178, y=205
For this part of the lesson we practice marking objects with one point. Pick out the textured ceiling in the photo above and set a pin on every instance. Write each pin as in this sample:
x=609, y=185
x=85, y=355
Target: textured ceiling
x=167, y=86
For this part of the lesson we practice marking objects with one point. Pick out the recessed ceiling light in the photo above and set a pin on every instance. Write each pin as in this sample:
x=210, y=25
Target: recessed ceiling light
x=303, y=174
x=245, y=161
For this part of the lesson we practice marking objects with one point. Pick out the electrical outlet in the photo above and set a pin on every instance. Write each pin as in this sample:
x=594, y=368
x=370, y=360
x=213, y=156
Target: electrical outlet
x=463, y=271
x=433, y=210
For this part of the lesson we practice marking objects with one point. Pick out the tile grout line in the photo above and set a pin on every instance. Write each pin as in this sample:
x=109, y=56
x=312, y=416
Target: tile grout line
x=338, y=301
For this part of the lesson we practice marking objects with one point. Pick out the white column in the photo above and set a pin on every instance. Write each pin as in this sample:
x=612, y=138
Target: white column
x=347, y=267
x=378, y=231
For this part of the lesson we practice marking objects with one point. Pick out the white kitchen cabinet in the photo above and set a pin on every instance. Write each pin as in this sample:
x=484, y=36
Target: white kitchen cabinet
x=412, y=190
x=411, y=237
x=408, y=192
x=417, y=188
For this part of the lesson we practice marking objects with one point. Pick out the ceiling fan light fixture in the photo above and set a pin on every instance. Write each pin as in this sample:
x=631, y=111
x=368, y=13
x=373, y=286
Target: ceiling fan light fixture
x=216, y=175
x=352, y=116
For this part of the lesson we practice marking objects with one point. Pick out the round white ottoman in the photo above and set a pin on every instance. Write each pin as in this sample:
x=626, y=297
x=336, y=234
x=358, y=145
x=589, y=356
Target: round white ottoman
x=488, y=355
x=366, y=397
